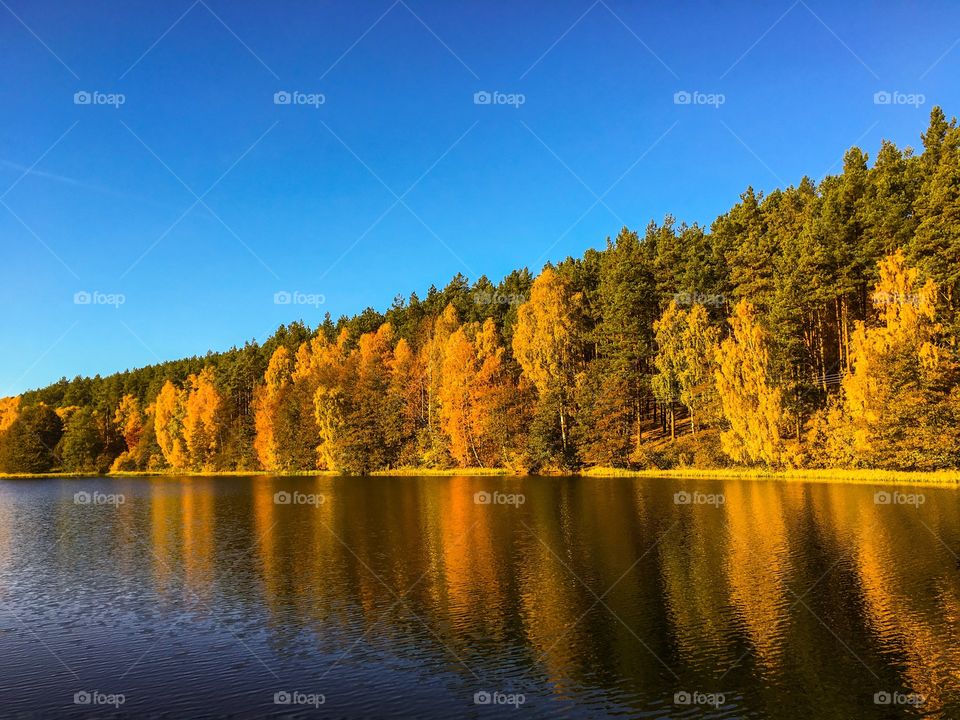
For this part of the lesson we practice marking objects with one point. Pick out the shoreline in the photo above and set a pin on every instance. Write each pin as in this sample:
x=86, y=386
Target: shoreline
x=937, y=478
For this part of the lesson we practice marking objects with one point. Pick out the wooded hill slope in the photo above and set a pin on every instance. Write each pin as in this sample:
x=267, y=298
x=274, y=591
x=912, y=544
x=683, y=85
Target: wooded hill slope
x=813, y=327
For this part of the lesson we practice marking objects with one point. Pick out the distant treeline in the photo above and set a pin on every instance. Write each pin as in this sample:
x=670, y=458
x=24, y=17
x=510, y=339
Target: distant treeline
x=816, y=326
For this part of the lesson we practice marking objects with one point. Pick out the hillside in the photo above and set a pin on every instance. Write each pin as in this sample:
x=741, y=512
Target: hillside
x=812, y=327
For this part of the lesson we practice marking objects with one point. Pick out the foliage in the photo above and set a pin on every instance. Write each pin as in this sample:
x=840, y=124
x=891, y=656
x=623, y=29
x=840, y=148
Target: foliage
x=752, y=404
x=816, y=325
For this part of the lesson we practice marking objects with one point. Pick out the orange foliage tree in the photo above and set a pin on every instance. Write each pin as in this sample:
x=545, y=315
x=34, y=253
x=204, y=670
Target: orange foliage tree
x=168, y=421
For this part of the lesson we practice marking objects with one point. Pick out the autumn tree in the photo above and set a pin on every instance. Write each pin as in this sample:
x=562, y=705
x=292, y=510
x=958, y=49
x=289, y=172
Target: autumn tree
x=751, y=402
x=696, y=366
x=169, y=425
x=406, y=403
x=670, y=331
x=496, y=411
x=546, y=344
x=368, y=446
x=9, y=410
x=459, y=372
x=129, y=419
x=202, y=420
x=686, y=344
x=432, y=442
x=896, y=409
x=267, y=404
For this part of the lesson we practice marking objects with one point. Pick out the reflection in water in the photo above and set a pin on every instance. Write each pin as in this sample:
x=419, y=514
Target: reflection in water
x=912, y=608
x=403, y=596
x=758, y=568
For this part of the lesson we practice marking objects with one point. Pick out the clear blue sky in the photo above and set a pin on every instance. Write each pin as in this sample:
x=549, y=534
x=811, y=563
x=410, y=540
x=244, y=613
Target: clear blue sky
x=104, y=198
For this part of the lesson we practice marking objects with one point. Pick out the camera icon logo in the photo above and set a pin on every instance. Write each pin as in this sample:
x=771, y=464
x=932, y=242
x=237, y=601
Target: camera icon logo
x=682, y=698
x=682, y=97
x=882, y=698
x=482, y=498
x=282, y=698
x=282, y=97
x=682, y=498
x=82, y=97
x=82, y=298
x=882, y=497
x=482, y=698
x=282, y=298
x=282, y=498
x=82, y=698
x=81, y=498
x=882, y=97
x=482, y=98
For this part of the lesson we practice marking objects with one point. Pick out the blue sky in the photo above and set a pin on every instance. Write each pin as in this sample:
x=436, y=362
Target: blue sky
x=199, y=198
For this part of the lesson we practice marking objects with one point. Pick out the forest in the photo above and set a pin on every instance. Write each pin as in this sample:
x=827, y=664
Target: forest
x=812, y=327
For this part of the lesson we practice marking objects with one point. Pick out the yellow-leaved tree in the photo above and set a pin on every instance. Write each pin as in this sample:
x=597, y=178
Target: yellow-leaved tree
x=9, y=411
x=129, y=418
x=752, y=404
x=546, y=343
x=495, y=405
x=895, y=408
x=433, y=445
x=475, y=396
x=202, y=422
x=406, y=400
x=333, y=365
x=169, y=411
x=686, y=346
x=319, y=369
x=267, y=401
x=459, y=372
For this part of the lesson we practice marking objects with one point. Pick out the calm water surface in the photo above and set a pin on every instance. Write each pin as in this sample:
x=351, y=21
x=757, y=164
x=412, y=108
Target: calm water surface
x=405, y=597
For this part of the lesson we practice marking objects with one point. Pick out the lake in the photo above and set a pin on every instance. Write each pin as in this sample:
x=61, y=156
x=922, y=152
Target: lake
x=477, y=597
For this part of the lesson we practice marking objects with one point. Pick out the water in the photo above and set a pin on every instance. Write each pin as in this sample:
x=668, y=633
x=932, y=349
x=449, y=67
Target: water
x=404, y=597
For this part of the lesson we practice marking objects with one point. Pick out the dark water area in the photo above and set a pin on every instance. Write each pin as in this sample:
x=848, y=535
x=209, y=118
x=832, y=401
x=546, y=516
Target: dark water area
x=417, y=597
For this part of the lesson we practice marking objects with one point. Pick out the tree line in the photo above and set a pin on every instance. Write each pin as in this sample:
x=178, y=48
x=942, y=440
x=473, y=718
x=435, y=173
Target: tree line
x=815, y=326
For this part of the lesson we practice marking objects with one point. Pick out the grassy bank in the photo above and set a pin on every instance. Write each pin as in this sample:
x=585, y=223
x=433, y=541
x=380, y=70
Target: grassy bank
x=938, y=478
x=163, y=473
x=441, y=472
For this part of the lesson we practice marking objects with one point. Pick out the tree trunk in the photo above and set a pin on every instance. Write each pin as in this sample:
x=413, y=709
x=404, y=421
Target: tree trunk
x=563, y=427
